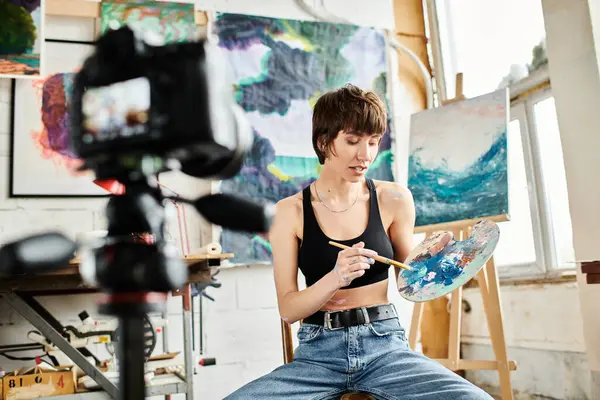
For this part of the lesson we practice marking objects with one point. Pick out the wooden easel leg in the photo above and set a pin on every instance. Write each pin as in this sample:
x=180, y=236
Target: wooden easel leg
x=455, y=317
x=415, y=325
x=455, y=329
x=490, y=294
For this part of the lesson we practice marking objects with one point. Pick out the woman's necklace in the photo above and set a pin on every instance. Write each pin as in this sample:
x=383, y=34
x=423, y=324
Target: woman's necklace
x=334, y=211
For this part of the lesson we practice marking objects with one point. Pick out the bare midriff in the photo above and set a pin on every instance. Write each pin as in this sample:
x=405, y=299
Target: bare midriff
x=364, y=296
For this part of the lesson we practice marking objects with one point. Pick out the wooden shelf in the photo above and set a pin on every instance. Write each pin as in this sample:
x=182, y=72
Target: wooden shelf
x=67, y=279
x=91, y=9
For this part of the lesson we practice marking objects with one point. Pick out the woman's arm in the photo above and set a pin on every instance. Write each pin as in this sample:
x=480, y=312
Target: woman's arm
x=398, y=199
x=294, y=305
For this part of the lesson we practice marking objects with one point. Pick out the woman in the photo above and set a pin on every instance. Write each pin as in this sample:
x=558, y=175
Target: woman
x=350, y=339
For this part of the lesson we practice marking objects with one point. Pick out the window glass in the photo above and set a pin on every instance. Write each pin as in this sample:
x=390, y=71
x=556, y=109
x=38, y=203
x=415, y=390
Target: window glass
x=486, y=40
x=516, y=245
x=555, y=182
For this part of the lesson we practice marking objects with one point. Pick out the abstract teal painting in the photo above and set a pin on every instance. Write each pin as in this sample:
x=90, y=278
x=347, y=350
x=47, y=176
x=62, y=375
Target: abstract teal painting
x=21, y=38
x=458, y=165
x=280, y=68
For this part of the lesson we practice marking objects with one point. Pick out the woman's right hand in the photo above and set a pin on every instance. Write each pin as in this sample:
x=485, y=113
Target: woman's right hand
x=352, y=263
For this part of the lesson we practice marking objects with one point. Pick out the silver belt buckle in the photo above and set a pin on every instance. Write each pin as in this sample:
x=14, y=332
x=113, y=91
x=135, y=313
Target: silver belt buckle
x=394, y=308
x=328, y=322
x=365, y=315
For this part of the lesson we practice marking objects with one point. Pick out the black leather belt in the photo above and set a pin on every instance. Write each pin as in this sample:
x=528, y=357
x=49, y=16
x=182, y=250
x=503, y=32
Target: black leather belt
x=355, y=316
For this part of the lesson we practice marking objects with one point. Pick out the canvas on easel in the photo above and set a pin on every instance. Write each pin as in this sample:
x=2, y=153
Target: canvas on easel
x=458, y=175
x=458, y=164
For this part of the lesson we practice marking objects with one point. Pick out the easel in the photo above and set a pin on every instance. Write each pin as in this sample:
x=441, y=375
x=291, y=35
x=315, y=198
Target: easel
x=487, y=280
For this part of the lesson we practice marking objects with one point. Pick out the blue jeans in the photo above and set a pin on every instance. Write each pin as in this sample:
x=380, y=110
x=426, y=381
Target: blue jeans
x=374, y=358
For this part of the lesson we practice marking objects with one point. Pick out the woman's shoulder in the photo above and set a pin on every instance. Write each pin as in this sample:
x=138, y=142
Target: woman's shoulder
x=391, y=188
x=291, y=206
x=289, y=212
x=392, y=193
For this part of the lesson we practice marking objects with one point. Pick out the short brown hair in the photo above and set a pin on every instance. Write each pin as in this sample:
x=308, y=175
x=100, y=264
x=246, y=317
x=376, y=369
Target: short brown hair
x=348, y=108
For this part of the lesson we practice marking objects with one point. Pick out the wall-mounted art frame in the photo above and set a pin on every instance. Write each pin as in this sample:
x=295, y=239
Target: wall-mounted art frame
x=41, y=162
x=22, y=50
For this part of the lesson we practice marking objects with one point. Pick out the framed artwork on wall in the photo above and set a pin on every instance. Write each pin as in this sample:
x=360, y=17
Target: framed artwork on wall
x=41, y=162
x=22, y=38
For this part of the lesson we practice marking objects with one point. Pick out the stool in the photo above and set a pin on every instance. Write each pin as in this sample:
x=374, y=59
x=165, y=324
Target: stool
x=288, y=356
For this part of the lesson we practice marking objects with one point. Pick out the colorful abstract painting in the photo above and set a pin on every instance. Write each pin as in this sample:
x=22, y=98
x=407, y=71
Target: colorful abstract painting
x=175, y=22
x=458, y=165
x=280, y=67
x=21, y=38
x=42, y=163
x=437, y=273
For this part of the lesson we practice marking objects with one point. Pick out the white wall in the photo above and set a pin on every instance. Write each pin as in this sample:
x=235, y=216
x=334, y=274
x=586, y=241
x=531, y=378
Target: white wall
x=543, y=327
x=574, y=71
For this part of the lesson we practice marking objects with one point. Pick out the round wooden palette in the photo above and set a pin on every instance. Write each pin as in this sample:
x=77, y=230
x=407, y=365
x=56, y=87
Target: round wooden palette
x=438, y=272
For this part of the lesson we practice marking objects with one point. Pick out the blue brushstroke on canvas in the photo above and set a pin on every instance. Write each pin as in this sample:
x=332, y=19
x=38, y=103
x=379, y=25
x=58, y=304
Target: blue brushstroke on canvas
x=442, y=195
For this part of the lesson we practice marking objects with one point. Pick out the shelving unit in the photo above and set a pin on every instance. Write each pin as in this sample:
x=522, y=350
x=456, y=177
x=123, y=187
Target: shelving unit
x=19, y=294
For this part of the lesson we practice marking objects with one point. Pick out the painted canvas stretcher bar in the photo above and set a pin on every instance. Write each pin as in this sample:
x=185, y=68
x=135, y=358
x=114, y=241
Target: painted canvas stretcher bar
x=91, y=9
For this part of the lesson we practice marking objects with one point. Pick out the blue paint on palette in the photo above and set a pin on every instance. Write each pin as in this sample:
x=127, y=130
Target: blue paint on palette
x=433, y=276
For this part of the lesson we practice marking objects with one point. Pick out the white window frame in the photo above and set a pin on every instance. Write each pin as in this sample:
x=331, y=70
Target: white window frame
x=518, y=112
x=525, y=95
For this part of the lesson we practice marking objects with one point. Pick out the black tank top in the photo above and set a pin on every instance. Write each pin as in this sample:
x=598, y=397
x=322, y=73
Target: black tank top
x=316, y=257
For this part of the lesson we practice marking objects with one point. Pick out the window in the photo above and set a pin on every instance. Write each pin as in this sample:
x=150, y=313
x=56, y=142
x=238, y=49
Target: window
x=517, y=246
x=538, y=239
x=556, y=201
x=486, y=40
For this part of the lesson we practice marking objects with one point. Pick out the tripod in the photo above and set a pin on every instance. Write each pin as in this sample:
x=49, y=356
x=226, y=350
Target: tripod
x=134, y=275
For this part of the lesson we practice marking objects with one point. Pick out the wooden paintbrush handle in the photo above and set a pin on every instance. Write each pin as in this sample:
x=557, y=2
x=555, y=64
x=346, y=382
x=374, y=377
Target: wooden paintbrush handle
x=379, y=258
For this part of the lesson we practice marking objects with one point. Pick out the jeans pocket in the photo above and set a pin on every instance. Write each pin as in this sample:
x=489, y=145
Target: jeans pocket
x=308, y=332
x=387, y=327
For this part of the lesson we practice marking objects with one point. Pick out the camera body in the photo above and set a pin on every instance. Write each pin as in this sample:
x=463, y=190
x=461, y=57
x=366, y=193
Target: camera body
x=133, y=99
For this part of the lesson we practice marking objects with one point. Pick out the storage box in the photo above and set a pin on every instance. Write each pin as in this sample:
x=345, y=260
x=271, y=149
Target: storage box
x=36, y=382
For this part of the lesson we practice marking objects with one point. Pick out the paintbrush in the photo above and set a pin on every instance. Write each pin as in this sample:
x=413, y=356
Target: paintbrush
x=379, y=258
